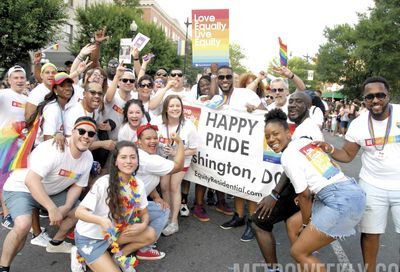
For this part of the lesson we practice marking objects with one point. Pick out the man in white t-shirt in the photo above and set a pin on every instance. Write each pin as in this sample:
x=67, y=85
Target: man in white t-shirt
x=12, y=109
x=279, y=205
x=54, y=183
x=377, y=132
x=37, y=95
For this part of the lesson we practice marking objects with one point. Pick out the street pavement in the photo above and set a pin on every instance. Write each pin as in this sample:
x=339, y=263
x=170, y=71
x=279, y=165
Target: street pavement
x=204, y=246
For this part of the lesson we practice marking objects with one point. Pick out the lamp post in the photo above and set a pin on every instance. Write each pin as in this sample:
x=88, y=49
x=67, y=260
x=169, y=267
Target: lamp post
x=187, y=24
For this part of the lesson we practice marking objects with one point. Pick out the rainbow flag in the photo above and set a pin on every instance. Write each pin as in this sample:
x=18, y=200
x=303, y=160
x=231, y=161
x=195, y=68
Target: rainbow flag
x=8, y=147
x=21, y=158
x=283, y=52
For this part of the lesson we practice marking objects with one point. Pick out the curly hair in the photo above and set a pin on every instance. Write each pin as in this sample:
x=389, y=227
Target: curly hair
x=276, y=116
x=113, y=190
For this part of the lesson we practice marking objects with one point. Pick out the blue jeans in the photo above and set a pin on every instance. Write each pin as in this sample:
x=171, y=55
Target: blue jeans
x=158, y=217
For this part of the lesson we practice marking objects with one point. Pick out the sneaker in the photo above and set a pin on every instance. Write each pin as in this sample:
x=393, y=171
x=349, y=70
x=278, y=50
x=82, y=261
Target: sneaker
x=123, y=267
x=76, y=266
x=224, y=208
x=149, y=254
x=41, y=229
x=7, y=222
x=42, y=239
x=170, y=229
x=236, y=221
x=64, y=247
x=200, y=213
x=210, y=198
x=43, y=213
x=248, y=234
x=184, y=211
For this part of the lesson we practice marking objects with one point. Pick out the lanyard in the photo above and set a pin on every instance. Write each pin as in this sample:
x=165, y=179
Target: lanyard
x=177, y=132
x=388, y=127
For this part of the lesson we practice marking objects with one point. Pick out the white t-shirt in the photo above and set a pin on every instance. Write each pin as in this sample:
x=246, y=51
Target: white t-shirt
x=53, y=119
x=184, y=95
x=126, y=133
x=188, y=134
x=308, y=129
x=58, y=169
x=115, y=111
x=12, y=107
x=36, y=96
x=284, y=108
x=73, y=113
x=240, y=97
x=96, y=201
x=152, y=167
x=306, y=165
x=317, y=115
x=379, y=168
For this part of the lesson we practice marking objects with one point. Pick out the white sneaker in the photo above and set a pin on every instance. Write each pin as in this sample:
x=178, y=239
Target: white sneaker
x=64, y=247
x=42, y=239
x=76, y=266
x=170, y=229
x=184, y=210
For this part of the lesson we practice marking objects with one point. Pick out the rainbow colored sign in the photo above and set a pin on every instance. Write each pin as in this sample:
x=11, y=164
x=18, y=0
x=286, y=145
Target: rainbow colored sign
x=210, y=37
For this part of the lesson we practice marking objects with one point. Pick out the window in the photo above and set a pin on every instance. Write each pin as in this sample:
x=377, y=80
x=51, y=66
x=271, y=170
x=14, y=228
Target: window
x=68, y=33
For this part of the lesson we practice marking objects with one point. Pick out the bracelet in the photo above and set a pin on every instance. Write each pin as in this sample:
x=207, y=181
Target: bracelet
x=80, y=58
x=304, y=225
x=135, y=59
x=332, y=150
x=276, y=194
x=292, y=76
x=274, y=197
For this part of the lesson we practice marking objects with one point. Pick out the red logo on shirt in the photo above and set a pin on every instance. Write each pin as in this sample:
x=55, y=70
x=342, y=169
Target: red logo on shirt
x=118, y=109
x=18, y=104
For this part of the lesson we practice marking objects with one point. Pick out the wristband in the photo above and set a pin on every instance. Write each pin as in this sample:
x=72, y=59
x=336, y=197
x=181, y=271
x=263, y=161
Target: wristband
x=304, y=225
x=292, y=76
x=274, y=197
x=80, y=58
x=276, y=194
x=135, y=59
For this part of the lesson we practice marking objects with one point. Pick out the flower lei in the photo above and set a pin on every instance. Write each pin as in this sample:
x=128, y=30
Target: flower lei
x=130, y=201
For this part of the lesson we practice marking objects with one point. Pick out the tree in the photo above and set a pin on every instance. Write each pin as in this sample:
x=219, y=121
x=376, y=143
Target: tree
x=27, y=25
x=117, y=19
x=236, y=55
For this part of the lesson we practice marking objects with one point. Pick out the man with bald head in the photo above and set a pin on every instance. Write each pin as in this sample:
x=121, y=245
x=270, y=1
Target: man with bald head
x=279, y=205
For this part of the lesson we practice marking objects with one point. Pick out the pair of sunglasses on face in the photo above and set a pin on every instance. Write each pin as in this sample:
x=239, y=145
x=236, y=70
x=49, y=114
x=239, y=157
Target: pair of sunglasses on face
x=370, y=97
x=176, y=74
x=126, y=80
x=83, y=131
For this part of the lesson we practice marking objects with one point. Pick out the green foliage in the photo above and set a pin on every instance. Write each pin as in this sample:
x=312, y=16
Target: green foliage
x=236, y=55
x=117, y=19
x=27, y=25
x=370, y=48
x=300, y=67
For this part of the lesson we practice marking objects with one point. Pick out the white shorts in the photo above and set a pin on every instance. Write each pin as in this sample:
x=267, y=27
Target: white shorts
x=378, y=203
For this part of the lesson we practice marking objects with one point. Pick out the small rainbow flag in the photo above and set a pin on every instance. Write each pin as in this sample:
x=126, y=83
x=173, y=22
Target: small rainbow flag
x=8, y=147
x=55, y=46
x=283, y=52
x=21, y=158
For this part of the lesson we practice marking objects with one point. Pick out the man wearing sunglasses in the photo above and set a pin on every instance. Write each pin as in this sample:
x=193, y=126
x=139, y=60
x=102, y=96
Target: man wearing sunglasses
x=54, y=180
x=377, y=132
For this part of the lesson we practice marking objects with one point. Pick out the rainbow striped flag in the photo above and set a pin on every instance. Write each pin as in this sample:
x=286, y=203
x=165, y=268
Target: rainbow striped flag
x=283, y=52
x=9, y=143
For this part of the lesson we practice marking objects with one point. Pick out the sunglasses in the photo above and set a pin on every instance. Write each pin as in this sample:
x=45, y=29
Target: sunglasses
x=146, y=85
x=158, y=82
x=176, y=74
x=370, y=97
x=95, y=93
x=222, y=77
x=281, y=90
x=83, y=131
x=270, y=97
x=98, y=75
x=125, y=80
x=161, y=74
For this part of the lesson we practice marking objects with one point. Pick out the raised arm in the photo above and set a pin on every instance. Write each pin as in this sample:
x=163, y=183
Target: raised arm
x=285, y=72
x=114, y=84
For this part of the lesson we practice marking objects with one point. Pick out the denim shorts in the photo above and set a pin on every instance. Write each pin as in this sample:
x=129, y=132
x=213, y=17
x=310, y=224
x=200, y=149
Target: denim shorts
x=158, y=217
x=22, y=203
x=338, y=208
x=89, y=248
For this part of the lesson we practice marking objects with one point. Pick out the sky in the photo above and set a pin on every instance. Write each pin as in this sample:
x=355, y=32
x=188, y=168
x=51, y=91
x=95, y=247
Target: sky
x=256, y=24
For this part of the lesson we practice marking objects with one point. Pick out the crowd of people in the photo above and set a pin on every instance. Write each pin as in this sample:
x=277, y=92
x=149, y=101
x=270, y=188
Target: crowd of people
x=113, y=147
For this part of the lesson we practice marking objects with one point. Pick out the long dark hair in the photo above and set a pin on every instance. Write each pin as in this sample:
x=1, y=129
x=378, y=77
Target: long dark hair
x=164, y=113
x=140, y=105
x=206, y=77
x=113, y=190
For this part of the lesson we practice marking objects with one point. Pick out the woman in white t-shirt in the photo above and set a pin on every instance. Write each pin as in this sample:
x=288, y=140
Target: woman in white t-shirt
x=115, y=205
x=134, y=114
x=338, y=201
x=173, y=121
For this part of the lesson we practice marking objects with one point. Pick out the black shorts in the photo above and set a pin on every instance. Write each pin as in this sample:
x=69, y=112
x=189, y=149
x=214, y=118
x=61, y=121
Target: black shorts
x=284, y=208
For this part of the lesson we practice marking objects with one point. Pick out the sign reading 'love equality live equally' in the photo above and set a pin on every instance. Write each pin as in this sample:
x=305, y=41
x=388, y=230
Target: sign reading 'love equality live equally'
x=210, y=37
x=233, y=156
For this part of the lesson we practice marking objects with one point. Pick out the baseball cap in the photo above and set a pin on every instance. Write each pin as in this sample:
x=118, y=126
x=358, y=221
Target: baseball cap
x=60, y=78
x=15, y=68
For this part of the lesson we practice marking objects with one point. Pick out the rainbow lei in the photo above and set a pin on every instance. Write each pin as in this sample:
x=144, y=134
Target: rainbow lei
x=130, y=201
